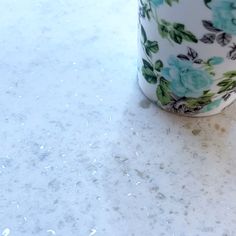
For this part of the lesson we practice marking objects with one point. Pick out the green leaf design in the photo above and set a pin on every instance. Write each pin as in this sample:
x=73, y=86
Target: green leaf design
x=147, y=64
x=163, y=92
x=176, y=37
x=207, y=3
x=163, y=30
x=158, y=65
x=145, y=10
x=143, y=33
x=230, y=74
x=151, y=47
x=226, y=85
x=148, y=72
x=175, y=32
x=202, y=101
x=166, y=23
x=178, y=26
x=170, y=2
x=229, y=83
x=189, y=36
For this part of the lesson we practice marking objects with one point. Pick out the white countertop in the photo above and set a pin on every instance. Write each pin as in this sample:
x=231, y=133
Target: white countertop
x=82, y=151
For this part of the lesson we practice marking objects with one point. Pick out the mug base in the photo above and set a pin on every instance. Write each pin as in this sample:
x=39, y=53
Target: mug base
x=150, y=94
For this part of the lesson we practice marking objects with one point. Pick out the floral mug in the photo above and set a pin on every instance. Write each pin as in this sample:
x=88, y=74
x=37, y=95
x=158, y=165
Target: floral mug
x=187, y=54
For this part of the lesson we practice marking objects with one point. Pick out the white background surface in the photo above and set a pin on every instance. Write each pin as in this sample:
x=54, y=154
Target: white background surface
x=82, y=151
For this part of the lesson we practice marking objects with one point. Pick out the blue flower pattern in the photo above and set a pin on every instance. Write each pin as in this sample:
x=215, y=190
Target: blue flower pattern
x=186, y=80
x=157, y=2
x=224, y=15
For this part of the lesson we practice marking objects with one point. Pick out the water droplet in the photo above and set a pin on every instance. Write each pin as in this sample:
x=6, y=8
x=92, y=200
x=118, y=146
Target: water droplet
x=51, y=232
x=93, y=232
x=6, y=232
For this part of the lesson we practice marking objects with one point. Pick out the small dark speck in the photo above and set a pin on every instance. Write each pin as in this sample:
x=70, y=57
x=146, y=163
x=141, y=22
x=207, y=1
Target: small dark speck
x=154, y=189
x=37, y=230
x=43, y=156
x=145, y=104
x=61, y=224
x=69, y=218
x=55, y=202
x=168, y=131
x=140, y=174
x=54, y=185
x=195, y=155
x=162, y=166
x=208, y=229
x=116, y=208
x=161, y=196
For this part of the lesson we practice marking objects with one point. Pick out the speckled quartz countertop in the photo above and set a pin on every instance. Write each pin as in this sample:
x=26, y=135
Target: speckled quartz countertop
x=83, y=152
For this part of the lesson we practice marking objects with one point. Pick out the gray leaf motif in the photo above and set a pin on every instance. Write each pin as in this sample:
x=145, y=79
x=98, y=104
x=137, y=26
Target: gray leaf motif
x=208, y=38
x=232, y=53
x=209, y=26
x=192, y=53
x=223, y=39
x=183, y=57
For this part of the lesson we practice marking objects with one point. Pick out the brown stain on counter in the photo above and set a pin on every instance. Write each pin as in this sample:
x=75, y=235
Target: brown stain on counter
x=197, y=129
x=196, y=132
x=219, y=128
x=223, y=130
x=210, y=132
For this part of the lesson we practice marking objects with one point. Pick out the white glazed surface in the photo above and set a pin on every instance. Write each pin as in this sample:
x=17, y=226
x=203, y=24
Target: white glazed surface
x=83, y=153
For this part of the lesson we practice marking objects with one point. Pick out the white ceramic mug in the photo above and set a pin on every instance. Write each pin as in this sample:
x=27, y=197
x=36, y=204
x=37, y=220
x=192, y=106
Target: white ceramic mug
x=187, y=54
